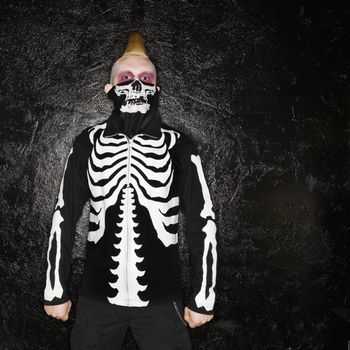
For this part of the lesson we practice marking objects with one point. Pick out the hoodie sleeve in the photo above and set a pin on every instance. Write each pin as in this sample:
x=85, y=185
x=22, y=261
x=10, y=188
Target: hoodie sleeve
x=200, y=227
x=73, y=194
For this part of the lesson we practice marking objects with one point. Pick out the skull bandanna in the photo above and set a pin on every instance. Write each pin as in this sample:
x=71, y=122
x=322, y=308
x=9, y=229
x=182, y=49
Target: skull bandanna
x=136, y=92
x=135, y=103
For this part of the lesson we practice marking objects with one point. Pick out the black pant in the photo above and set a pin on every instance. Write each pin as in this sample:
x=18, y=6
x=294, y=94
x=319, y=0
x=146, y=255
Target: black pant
x=102, y=326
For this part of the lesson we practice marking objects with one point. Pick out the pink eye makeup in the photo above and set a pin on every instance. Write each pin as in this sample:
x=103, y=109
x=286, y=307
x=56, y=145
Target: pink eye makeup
x=124, y=76
x=146, y=77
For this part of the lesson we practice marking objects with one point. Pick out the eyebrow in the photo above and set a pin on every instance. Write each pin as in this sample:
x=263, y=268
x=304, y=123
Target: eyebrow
x=144, y=72
x=125, y=71
x=147, y=72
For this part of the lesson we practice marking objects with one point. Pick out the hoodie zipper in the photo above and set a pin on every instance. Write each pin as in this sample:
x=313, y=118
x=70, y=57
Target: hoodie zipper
x=129, y=160
x=127, y=213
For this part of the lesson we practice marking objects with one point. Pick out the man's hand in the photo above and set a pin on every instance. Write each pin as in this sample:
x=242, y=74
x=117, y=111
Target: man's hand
x=60, y=312
x=195, y=319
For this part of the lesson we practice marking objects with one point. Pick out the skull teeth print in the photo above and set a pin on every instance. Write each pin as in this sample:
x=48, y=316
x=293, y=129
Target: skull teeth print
x=136, y=93
x=136, y=101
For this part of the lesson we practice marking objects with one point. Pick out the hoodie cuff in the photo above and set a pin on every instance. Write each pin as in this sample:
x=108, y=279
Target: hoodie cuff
x=57, y=301
x=191, y=304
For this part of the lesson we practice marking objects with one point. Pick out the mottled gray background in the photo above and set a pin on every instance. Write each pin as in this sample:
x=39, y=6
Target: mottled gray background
x=263, y=89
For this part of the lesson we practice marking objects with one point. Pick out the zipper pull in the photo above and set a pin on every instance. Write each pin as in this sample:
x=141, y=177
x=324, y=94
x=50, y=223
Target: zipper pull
x=130, y=140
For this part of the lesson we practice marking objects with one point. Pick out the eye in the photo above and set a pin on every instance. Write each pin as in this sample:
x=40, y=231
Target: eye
x=147, y=77
x=124, y=76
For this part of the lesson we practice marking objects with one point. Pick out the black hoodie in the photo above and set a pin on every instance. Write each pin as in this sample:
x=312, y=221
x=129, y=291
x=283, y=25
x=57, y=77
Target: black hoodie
x=136, y=186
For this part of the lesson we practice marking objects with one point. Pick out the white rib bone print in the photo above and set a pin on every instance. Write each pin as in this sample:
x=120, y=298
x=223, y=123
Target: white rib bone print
x=210, y=239
x=109, y=172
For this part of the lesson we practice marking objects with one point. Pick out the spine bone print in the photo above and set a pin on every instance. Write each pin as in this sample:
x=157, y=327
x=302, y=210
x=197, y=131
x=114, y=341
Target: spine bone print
x=127, y=271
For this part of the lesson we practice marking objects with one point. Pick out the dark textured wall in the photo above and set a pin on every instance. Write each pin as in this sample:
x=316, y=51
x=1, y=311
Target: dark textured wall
x=263, y=89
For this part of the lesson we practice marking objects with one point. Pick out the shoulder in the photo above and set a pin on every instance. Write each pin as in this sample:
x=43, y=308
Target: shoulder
x=184, y=143
x=181, y=135
x=83, y=144
x=86, y=136
x=82, y=138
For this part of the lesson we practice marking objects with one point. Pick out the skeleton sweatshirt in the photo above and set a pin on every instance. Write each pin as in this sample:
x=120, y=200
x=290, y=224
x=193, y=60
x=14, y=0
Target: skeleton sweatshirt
x=135, y=188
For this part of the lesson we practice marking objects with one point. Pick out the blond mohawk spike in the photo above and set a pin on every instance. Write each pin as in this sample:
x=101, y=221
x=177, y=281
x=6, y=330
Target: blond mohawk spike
x=136, y=45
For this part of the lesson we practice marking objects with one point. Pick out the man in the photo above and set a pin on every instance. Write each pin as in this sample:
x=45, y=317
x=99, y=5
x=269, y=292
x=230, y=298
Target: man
x=137, y=173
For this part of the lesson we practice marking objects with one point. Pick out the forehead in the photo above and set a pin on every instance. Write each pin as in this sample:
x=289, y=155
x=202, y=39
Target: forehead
x=135, y=64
